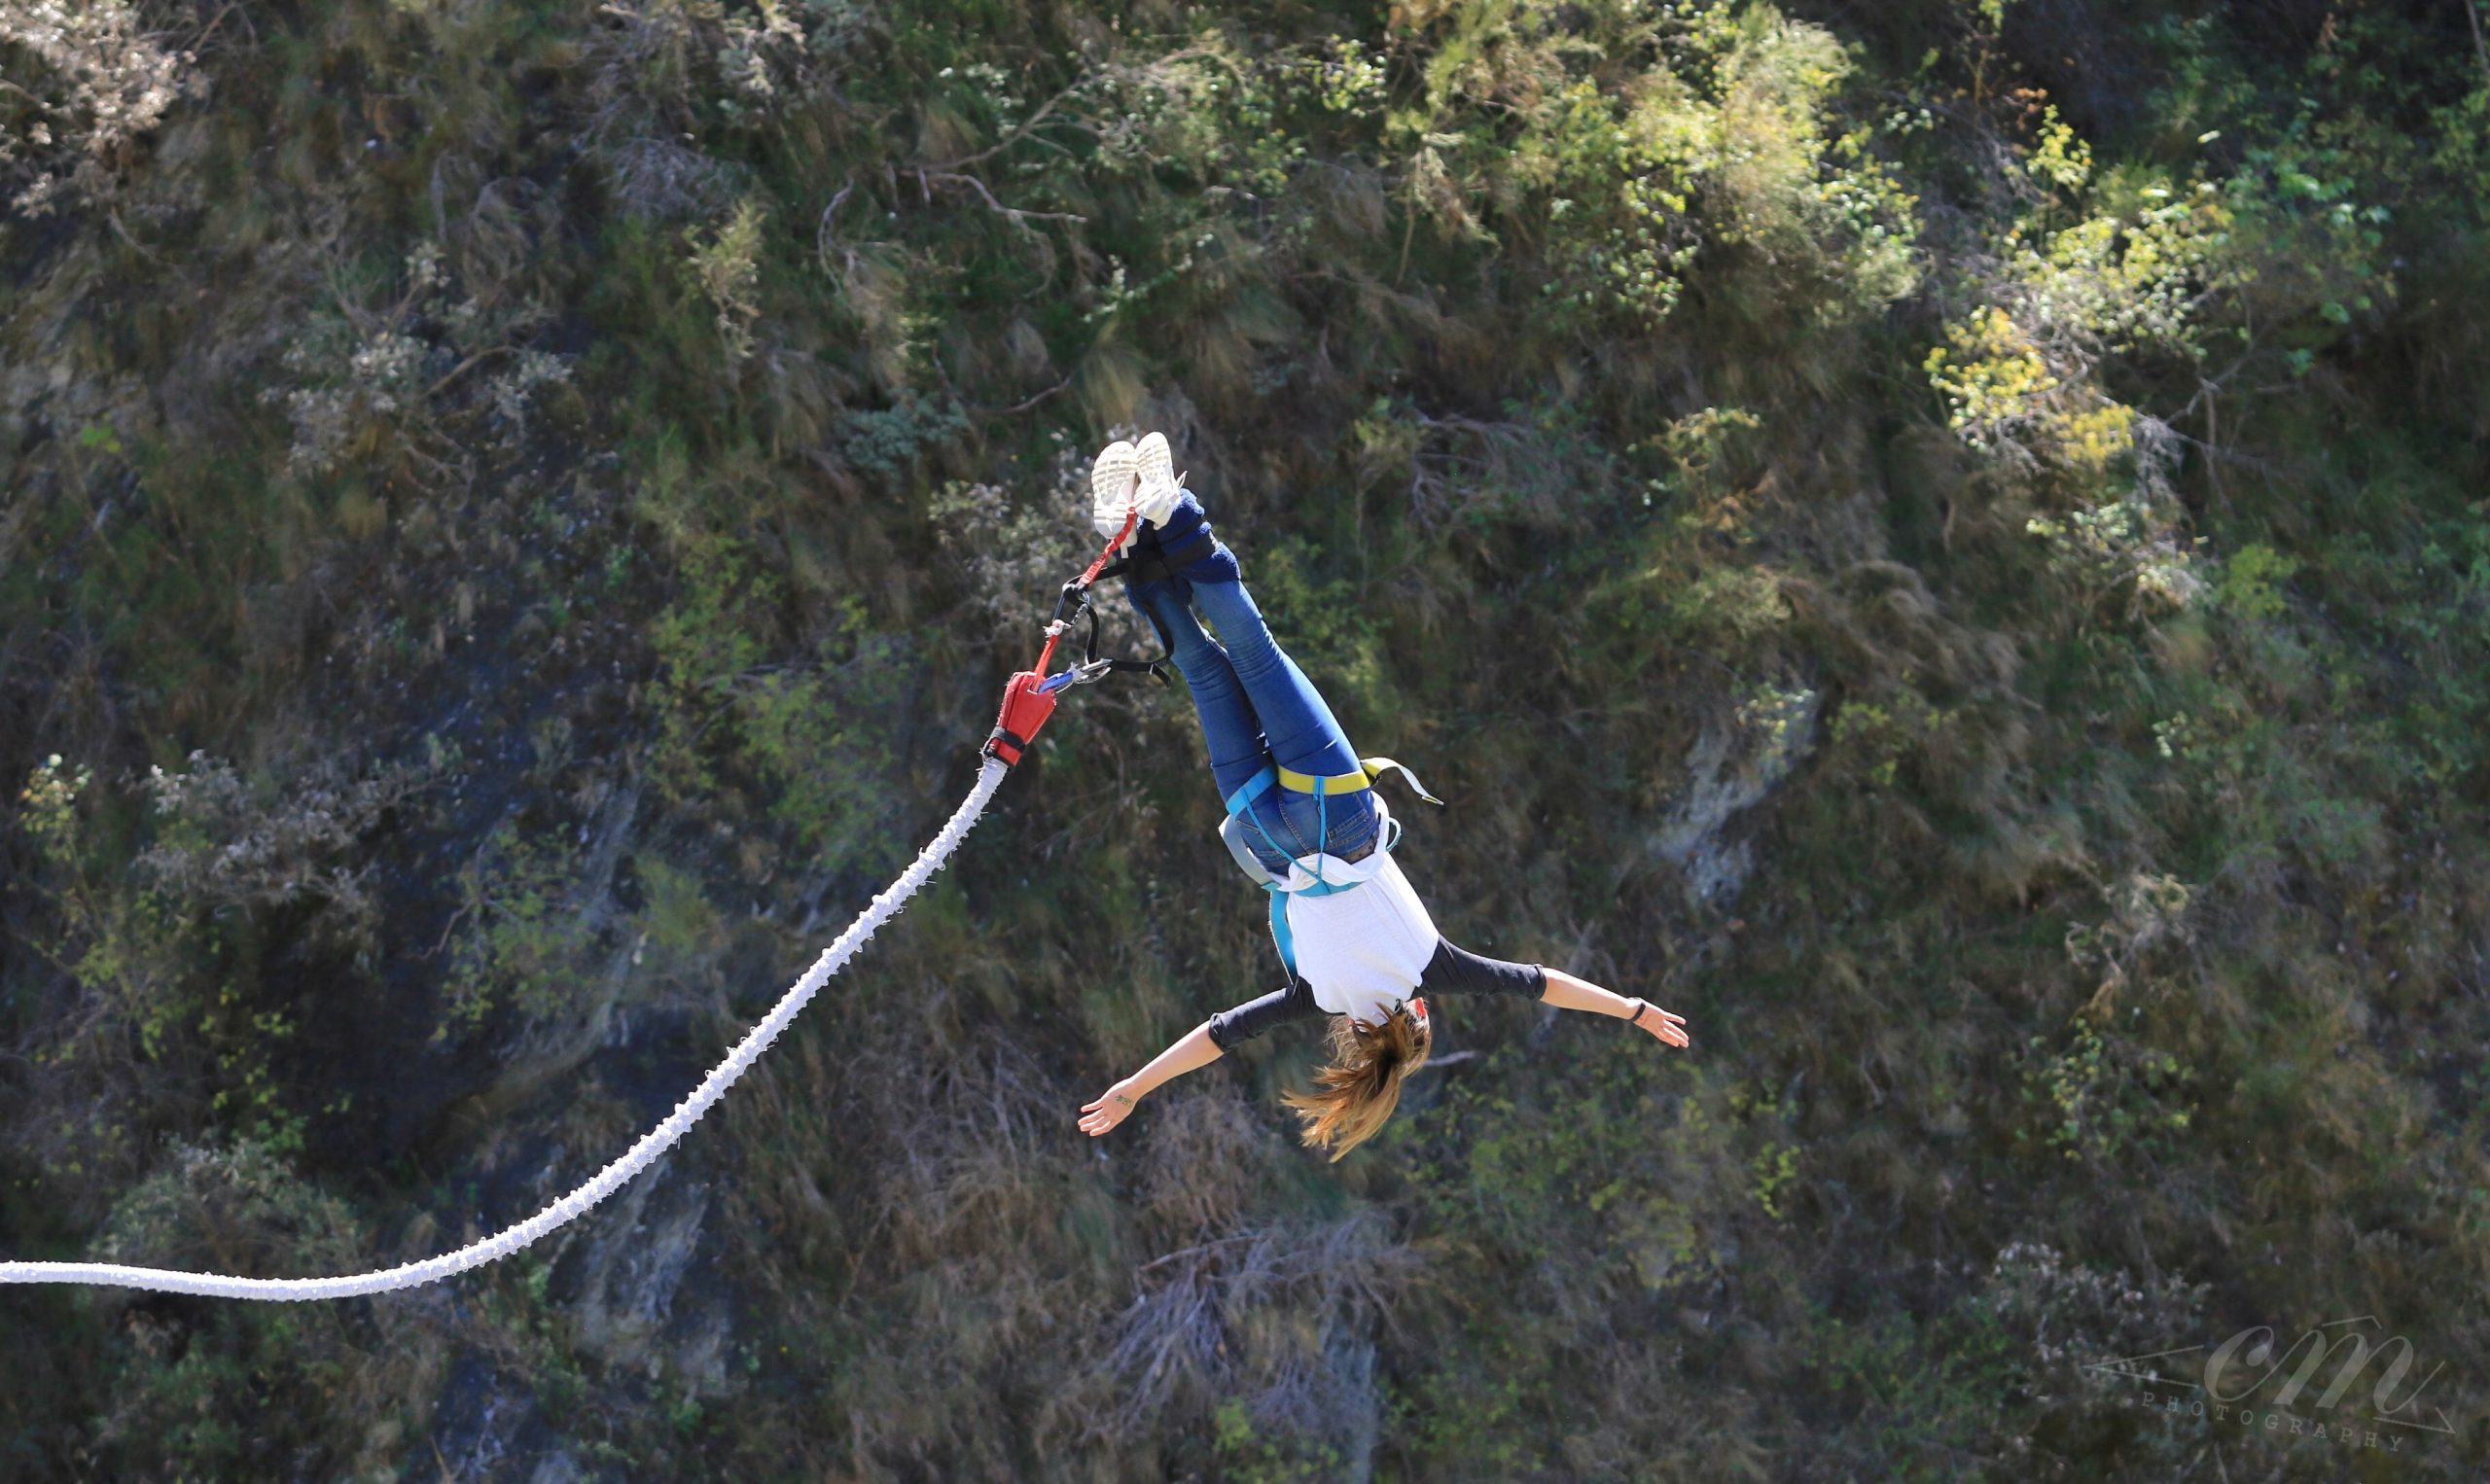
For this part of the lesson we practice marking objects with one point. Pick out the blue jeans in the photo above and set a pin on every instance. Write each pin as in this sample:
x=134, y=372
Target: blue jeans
x=1258, y=708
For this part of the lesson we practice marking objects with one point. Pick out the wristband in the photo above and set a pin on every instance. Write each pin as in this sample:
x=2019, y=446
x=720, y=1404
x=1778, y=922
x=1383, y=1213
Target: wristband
x=1641, y=1006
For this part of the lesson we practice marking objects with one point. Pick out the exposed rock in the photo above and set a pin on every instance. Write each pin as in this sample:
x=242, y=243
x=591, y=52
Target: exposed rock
x=628, y=1275
x=1729, y=769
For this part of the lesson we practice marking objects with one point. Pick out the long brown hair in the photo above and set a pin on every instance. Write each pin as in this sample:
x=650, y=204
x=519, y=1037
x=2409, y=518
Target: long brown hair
x=1356, y=1093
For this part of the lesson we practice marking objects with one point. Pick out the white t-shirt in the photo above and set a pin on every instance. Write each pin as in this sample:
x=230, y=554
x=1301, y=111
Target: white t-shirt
x=1363, y=950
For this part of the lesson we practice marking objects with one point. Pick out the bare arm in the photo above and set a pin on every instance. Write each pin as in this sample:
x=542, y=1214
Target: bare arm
x=1196, y=1049
x=1568, y=993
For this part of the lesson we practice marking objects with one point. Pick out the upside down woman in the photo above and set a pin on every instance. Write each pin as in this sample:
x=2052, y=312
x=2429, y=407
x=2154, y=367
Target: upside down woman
x=1305, y=822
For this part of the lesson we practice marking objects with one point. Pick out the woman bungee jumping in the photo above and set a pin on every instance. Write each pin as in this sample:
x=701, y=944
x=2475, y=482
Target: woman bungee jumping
x=1304, y=822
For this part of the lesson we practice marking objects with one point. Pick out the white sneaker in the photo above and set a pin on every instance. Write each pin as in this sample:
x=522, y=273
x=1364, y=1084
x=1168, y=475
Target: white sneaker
x=1160, y=484
x=1113, y=485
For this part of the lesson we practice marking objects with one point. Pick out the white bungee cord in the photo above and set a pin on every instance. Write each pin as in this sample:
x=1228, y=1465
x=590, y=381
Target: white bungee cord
x=613, y=1176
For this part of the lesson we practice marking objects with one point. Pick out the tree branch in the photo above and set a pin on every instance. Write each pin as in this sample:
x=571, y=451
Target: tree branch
x=1019, y=217
x=1017, y=134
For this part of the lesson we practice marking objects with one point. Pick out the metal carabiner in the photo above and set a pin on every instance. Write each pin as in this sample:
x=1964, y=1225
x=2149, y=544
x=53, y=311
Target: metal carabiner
x=1081, y=673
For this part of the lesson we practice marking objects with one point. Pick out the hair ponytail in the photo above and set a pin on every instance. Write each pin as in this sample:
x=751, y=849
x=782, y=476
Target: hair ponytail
x=1356, y=1093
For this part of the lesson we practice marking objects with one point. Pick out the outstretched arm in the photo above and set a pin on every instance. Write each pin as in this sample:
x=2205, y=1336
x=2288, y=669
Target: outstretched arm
x=1568, y=993
x=1202, y=1047
x=1196, y=1050
x=1456, y=971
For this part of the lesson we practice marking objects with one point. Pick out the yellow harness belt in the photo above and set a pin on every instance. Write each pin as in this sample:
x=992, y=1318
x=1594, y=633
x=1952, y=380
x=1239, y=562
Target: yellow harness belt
x=1369, y=770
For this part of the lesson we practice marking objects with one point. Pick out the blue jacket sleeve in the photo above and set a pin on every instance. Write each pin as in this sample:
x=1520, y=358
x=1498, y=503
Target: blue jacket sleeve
x=1252, y=1018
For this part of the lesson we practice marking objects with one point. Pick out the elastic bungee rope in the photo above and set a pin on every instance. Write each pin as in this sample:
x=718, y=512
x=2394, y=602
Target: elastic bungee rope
x=613, y=1176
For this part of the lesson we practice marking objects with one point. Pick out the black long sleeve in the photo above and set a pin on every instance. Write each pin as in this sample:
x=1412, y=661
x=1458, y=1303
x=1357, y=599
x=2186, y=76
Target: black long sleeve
x=1252, y=1018
x=1459, y=971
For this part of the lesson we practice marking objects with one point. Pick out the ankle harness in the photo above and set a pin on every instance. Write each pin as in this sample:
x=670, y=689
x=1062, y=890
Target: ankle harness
x=1163, y=564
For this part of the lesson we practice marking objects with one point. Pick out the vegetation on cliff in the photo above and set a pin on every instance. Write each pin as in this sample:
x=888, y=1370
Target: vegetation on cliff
x=1945, y=542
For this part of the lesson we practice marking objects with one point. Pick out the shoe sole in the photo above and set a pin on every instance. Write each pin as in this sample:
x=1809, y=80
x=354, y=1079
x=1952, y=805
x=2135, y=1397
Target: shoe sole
x=1111, y=486
x=1158, y=494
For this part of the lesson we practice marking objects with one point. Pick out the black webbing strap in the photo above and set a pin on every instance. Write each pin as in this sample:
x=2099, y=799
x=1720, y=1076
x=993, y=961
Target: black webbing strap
x=1000, y=739
x=1160, y=564
x=1145, y=565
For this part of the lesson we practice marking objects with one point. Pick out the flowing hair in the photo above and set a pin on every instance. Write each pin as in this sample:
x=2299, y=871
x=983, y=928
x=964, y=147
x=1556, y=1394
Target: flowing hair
x=1356, y=1093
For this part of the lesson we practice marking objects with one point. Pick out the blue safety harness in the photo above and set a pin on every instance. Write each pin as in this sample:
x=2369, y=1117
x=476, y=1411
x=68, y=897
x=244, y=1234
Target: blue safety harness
x=1241, y=806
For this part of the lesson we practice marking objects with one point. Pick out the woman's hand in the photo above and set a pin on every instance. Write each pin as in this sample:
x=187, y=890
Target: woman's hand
x=1195, y=1050
x=1669, y=1028
x=1110, y=1109
x=1568, y=993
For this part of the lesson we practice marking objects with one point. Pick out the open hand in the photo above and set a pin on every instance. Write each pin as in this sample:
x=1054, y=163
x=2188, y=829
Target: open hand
x=1669, y=1028
x=1108, y=1111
